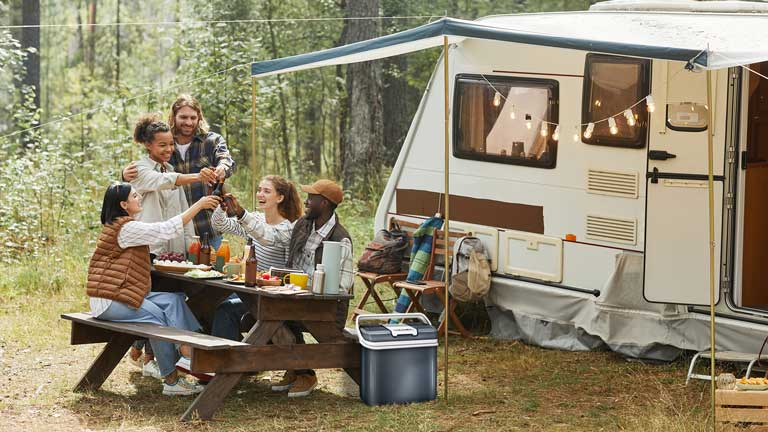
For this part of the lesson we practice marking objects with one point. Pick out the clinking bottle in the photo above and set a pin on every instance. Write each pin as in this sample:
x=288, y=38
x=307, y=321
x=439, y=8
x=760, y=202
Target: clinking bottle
x=251, y=268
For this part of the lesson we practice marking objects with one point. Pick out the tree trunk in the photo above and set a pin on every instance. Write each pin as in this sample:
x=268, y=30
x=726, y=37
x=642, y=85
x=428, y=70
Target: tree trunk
x=91, y=51
x=395, y=96
x=363, y=143
x=30, y=41
x=117, y=47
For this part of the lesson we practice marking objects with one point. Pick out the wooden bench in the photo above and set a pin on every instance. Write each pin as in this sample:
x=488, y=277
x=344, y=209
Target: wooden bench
x=371, y=279
x=120, y=336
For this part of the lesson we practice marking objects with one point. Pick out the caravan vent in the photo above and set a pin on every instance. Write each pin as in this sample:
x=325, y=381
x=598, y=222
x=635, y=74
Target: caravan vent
x=612, y=229
x=615, y=183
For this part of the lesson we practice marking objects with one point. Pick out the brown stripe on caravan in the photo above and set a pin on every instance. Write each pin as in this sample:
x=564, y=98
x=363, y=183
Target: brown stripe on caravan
x=519, y=217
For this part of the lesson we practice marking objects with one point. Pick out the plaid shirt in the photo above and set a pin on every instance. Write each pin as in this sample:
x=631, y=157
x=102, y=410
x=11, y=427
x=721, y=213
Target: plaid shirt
x=205, y=151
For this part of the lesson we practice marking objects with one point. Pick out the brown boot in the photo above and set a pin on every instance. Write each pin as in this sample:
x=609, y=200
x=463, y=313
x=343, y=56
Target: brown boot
x=289, y=377
x=303, y=386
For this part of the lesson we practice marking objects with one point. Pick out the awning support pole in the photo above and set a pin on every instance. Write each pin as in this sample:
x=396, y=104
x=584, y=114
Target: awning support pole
x=446, y=272
x=254, y=162
x=710, y=184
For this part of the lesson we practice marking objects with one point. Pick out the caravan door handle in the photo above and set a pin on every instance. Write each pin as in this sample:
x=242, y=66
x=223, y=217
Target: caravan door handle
x=660, y=155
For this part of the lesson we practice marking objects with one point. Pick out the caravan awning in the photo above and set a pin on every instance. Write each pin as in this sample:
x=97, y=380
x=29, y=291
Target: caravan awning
x=712, y=41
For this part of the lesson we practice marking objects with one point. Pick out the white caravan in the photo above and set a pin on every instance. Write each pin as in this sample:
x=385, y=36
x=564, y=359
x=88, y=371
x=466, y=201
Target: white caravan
x=599, y=239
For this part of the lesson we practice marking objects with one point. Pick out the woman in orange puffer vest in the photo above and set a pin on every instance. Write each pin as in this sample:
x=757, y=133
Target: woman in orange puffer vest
x=119, y=276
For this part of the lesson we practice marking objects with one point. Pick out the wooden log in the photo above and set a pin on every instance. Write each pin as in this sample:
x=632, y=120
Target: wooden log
x=278, y=357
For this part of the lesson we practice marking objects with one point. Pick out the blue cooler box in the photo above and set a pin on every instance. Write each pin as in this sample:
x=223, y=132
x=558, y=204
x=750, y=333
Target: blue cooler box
x=399, y=361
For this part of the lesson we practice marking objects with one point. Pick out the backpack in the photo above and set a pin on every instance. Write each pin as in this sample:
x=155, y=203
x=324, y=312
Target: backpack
x=470, y=271
x=385, y=253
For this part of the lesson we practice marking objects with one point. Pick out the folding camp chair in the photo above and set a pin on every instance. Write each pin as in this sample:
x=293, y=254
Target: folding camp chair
x=416, y=291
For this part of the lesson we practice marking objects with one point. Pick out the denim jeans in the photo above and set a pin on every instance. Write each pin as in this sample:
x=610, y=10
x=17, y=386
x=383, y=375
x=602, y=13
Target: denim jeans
x=226, y=318
x=163, y=308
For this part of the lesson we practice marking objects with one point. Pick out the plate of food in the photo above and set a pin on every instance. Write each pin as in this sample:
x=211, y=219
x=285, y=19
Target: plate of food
x=202, y=274
x=176, y=265
x=237, y=279
x=265, y=279
x=752, y=384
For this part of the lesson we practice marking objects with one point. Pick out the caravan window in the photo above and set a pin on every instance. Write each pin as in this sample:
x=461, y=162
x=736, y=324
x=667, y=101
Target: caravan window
x=500, y=120
x=611, y=85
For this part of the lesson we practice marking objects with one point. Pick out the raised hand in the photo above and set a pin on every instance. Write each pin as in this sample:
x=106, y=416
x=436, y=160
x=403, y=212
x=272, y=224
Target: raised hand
x=221, y=172
x=231, y=206
x=209, y=202
x=207, y=175
x=130, y=172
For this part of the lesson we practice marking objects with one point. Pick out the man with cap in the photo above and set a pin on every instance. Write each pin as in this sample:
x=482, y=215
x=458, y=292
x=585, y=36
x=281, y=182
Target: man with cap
x=305, y=250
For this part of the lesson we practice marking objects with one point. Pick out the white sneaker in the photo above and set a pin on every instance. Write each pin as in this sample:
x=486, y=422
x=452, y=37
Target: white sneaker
x=181, y=387
x=151, y=369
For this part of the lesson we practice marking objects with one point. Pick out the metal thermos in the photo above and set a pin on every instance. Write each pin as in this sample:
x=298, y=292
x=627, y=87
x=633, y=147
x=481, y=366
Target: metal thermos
x=318, y=280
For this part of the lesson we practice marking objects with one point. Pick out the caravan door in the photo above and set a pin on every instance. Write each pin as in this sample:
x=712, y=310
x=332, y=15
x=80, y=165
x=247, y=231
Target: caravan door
x=677, y=207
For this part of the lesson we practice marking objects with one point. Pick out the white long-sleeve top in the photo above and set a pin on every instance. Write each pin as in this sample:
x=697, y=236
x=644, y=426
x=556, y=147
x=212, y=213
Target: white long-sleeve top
x=161, y=200
x=135, y=233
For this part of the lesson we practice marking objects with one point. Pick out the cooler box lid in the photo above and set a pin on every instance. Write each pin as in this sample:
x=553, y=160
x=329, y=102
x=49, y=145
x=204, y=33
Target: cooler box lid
x=397, y=336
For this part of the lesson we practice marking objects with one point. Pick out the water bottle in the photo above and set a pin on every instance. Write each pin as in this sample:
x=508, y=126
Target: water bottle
x=318, y=279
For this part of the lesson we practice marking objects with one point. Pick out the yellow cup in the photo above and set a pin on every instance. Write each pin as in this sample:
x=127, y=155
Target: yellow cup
x=299, y=279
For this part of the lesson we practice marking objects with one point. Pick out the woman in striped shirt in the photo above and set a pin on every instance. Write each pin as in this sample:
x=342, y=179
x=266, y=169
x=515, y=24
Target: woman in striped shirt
x=280, y=205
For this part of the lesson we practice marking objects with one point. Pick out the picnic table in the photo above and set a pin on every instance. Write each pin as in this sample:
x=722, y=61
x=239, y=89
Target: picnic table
x=229, y=360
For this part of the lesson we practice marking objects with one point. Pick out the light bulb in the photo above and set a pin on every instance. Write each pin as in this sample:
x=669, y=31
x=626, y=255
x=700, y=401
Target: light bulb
x=589, y=130
x=497, y=99
x=512, y=114
x=556, y=134
x=528, y=123
x=630, y=117
x=544, y=129
x=612, y=126
x=650, y=104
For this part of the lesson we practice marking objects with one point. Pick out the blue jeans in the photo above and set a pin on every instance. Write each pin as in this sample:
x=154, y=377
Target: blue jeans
x=163, y=308
x=226, y=318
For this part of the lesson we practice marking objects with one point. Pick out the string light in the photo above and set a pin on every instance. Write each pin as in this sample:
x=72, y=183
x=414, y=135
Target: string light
x=628, y=113
x=612, y=126
x=589, y=130
x=650, y=104
x=630, y=117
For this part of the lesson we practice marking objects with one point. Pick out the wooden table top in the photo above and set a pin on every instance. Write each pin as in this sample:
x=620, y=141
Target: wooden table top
x=258, y=291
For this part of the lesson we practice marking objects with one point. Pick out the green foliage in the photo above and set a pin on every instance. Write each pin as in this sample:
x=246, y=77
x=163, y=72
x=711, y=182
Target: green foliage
x=51, y=192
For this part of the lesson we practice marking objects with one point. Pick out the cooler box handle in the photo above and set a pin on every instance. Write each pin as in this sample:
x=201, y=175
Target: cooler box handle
x=401, y=329
x=420, y=316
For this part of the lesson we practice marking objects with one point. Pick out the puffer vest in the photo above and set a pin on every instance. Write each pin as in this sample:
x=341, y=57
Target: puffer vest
x=119, y=274
x=301, y=231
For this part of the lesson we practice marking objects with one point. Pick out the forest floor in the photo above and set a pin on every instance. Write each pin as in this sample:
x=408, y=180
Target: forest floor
x=494, y=385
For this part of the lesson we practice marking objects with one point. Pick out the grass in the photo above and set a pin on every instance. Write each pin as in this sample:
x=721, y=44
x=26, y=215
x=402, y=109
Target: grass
x=494, y=385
